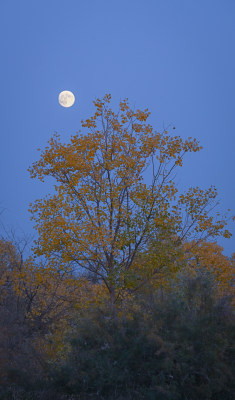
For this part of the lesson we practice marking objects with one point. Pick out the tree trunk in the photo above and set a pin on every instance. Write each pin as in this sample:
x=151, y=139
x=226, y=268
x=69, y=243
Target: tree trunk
x=113, y=305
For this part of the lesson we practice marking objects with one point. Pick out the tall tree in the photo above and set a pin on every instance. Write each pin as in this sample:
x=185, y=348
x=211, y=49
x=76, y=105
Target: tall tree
x=115, y=193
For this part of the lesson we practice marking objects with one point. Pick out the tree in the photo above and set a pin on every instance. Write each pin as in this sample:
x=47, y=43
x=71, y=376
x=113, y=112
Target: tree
x=208, y=256
x=115, y=194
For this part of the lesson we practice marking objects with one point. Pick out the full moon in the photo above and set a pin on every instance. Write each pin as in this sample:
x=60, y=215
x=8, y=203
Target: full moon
x=66, y=98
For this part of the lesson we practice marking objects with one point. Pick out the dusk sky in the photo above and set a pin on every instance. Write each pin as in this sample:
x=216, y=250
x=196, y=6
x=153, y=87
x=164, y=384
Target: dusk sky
x=175, y=57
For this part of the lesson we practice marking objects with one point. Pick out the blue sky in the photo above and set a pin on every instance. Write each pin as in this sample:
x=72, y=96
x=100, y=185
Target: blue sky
x=175, y=57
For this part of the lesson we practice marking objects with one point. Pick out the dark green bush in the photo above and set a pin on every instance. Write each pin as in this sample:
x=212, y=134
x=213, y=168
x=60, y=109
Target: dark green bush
x=179, y=347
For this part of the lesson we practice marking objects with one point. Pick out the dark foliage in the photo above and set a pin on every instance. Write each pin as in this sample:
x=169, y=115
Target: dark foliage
x=175, y=346
x=179, y=347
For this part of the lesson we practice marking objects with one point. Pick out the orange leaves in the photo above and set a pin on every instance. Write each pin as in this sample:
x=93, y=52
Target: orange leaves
x=124, y=106
x=107, y=98
x=196, y=198
x=90, y=123
x=169, y=190
x=142, y=115
x=115, y=124
x=197, y=204
x=175, y=147
x=191, y=145
x=209, y=256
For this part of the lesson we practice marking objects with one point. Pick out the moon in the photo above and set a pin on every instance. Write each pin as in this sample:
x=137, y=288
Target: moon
x=66, y=98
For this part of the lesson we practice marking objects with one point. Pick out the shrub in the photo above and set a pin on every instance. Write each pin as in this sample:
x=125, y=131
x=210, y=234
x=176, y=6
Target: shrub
x=179, y=347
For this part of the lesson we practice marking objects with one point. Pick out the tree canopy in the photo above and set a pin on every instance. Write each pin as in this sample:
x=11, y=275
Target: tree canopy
x=115, y=195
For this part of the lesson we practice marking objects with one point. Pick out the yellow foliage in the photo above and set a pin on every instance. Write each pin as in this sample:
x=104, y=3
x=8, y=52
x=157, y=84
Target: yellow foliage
x=209, y=255
x=102, y=212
